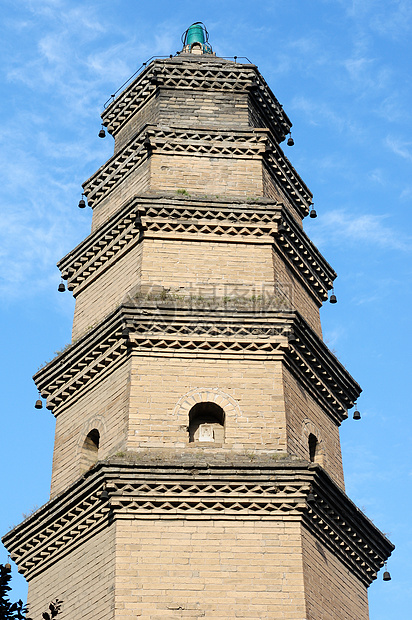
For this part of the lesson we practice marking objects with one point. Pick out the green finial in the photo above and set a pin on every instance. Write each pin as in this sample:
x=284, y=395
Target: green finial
x=195, y=39
x=195, y=34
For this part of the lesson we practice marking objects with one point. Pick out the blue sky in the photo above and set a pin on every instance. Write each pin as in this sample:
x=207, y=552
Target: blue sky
x=342, y=71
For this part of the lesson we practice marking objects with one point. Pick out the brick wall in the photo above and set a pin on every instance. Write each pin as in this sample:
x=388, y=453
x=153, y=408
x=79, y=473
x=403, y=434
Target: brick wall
x=104, y=407
x=332, y=591
x=147, y=115
x=107, y=291
x=305, y=416
x=213, y=176
x=200, y=568
x=158, y=383
x=289, y=285
x=198, y=268
x=191, y=108
x=137, y=182
x=188, y=108
x=83, y=580
x=228, y=268
x=274, y=190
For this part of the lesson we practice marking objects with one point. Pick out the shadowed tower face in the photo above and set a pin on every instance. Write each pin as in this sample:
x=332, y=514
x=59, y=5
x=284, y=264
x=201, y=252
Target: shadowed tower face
x=197, y=469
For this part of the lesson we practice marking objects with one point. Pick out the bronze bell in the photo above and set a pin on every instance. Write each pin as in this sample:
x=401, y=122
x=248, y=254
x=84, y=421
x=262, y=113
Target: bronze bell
x=386, y=576
x=290, y=141
x=38, y=404
x=7, y=567
x=61, y=288
x=313, y=213
x=104, y=495
x=333, y=299
x=125, y=333
x=356, y=415
x=310, y=497
x=102, y=133
x=82, y=203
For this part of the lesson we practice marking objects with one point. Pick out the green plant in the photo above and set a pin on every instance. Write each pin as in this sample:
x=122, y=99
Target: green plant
x=182, y=192
x=63, y=349
x=18, y=611
x=25, y=515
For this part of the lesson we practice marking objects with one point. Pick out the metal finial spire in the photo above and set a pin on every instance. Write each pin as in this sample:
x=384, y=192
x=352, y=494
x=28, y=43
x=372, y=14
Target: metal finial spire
x=196, y=39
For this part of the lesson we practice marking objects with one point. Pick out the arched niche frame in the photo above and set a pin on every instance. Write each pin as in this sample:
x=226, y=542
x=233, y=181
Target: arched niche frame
x=89, y=442
x=312, y=440
x=206, y=412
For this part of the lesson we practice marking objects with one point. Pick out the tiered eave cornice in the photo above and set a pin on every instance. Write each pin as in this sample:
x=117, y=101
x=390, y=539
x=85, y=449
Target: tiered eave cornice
x=168, y=326
x=261, y=221
x=205, y=74
x=242, y=144
x=157, y=484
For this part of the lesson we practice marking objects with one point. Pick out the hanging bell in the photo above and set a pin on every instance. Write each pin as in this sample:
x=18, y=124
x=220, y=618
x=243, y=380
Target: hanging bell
x=356, y=415
x=386, y=576
x=146, y=142
x=82, y=202
x=313, y=213
x=104, y=495
x=125, y=333
x=7, y=567
x=38, y=404
x=268, y=148
x=61, y=288
x=102, y=133
x=310, y=498
x=332, y=298
x=290, y=141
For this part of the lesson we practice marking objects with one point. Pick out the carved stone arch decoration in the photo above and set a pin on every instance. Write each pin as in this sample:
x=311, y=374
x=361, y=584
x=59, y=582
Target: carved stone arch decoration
x=312, y=440
x=206, y=411
x=89, y=442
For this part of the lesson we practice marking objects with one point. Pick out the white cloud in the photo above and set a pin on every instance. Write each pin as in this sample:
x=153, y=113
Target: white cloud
x=366, y=74
x=393, y=109
x=320, y=113
x=391, y=18
x=341, y=226
x=377, y=176
x=399, y=147
x=406, y=193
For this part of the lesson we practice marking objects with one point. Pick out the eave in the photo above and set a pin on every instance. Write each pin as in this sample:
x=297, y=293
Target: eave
x=155, y=484
x=165, y=328
x=154, y=140
x=191, y=74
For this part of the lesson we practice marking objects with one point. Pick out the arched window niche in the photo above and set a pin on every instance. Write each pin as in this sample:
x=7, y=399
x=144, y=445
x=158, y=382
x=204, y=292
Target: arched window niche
x=90, y=450
x=313, y=448
x=206, y=423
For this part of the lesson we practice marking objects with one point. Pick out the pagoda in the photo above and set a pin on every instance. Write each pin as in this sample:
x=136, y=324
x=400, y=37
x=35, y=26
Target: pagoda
x=197, y=468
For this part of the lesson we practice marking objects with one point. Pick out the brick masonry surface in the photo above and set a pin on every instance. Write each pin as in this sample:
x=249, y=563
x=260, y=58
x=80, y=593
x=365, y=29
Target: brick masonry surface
x=201, y=568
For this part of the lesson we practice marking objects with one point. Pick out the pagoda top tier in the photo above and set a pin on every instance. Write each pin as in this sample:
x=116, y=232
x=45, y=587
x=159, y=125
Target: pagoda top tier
x=195, y=73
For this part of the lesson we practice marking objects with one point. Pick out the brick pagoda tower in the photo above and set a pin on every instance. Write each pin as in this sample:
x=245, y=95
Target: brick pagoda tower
x=197, y=468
